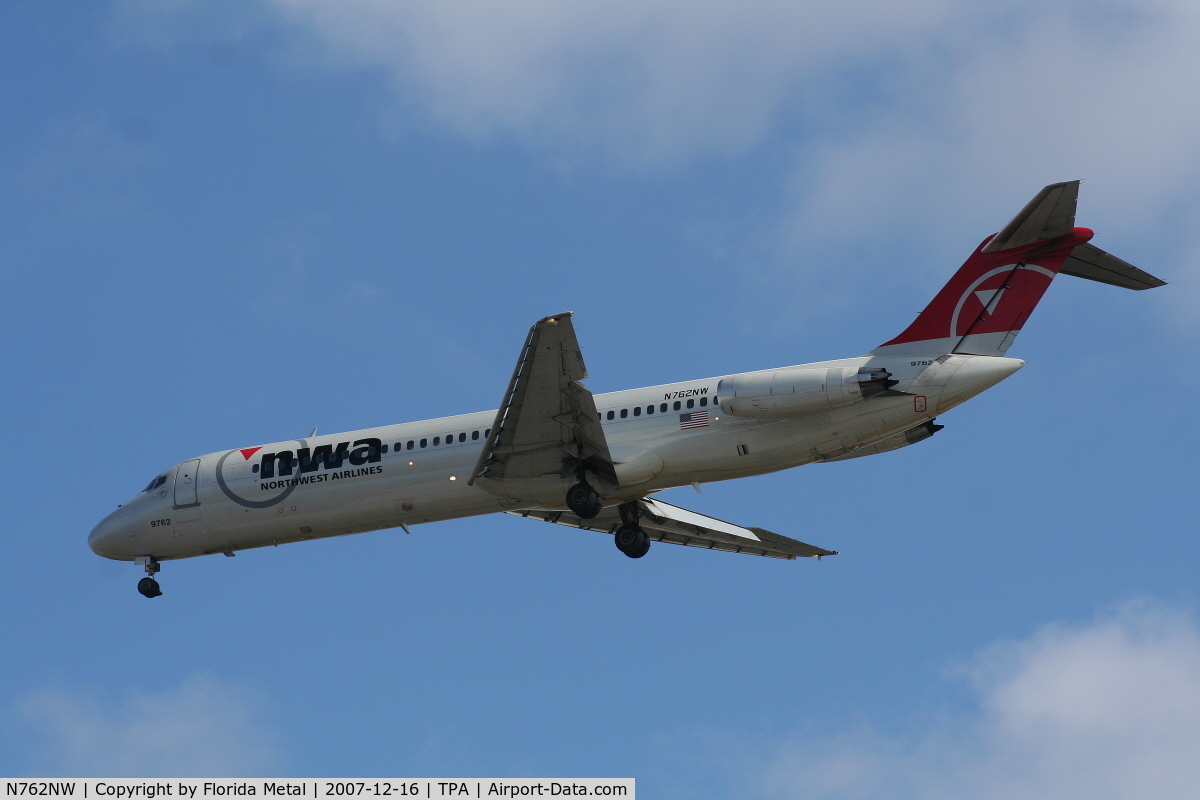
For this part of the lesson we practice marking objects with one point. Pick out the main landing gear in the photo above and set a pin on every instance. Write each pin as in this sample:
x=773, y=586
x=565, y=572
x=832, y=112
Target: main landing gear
x=632, y=540
x=583, y=500
x=630, y=537
x=148, y=586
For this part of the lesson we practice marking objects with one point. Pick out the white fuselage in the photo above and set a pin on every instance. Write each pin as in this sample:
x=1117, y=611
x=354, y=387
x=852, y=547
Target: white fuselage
x=221, y=503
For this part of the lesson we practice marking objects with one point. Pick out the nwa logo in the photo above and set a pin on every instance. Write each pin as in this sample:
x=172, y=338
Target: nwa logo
x=286, y=469
x=325, y=457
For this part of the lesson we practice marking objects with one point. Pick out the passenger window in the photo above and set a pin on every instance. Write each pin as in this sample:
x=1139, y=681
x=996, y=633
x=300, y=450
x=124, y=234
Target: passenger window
x=703, y=402
x=624, y=413
x=487, y=432
x=649, y=409
x=611, y=414
x=663, y=408
x=691, y=403
x=474, y=435
x=383, y=449
x=462, y=437
x=437, y=440
x=637, y=411
x=676, y=405
x=424, y=442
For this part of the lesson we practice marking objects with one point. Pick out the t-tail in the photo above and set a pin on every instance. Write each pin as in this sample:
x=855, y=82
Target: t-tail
x=987, y=302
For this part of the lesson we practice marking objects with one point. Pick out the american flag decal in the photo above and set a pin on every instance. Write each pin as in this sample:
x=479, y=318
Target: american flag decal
x=693, y=419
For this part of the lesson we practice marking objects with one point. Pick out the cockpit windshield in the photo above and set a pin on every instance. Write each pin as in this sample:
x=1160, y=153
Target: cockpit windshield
x=157, y=482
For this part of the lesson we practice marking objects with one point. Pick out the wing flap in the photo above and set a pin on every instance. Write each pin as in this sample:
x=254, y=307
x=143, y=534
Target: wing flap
x=664, y=522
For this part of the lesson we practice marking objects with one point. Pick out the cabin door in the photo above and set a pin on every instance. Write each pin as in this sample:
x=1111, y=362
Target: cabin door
x=185, y=484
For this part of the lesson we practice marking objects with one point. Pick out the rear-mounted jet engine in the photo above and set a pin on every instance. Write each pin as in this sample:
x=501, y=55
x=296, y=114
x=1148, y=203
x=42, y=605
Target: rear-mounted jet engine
x=786, y=392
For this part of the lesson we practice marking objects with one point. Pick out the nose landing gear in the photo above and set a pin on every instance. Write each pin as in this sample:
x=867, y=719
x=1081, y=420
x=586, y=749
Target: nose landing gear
x=148, y=586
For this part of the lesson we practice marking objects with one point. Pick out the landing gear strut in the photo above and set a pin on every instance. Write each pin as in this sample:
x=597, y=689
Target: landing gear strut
x=583, y=500
x=148, y=586
x=632, y=540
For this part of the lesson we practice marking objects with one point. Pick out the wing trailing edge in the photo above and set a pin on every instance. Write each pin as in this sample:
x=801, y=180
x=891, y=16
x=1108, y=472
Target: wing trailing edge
x=664, y=522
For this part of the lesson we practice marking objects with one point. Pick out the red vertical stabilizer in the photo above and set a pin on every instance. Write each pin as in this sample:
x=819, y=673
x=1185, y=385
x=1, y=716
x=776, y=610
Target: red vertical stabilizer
x=988, y=300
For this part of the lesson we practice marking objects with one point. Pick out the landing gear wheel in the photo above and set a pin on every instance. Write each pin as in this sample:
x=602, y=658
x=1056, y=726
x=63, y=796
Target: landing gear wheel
x=596, y=508
x=632, y=540
x=583, y=501
x=641, y=551
x=149, y=587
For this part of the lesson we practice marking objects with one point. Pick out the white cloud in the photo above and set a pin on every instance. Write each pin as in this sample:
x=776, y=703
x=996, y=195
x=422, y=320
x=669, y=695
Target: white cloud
x=913, y=127
x=917, y=121
x=1102, y=711
x=200, y=729
x=1003, y=91
x=647, y=84
x=1074, y=90
x=910, y=105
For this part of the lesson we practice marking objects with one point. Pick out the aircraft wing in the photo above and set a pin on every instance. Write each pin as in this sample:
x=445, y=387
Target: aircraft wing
x=547, y=425
x=664, y=522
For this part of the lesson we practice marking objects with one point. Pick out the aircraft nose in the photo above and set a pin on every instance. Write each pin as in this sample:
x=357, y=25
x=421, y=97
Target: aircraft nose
x=106, y=538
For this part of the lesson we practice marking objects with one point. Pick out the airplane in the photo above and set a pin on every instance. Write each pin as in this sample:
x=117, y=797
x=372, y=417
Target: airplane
x=555, y=452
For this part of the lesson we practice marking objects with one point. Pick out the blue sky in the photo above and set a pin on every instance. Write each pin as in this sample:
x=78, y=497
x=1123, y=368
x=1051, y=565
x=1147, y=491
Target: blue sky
x=227, y=223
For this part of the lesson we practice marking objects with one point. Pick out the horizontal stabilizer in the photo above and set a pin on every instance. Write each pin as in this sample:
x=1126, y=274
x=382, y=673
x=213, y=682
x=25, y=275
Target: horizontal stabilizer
x=1048, y=216
x=1089, y=261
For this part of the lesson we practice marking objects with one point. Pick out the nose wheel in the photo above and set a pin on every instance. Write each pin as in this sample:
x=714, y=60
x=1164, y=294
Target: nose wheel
x=148, y=586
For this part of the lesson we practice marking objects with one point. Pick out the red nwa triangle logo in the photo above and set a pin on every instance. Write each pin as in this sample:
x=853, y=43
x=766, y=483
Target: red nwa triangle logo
x=249, y=451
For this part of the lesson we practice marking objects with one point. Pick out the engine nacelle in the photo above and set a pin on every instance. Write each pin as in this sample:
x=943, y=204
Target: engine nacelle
x=799, y=391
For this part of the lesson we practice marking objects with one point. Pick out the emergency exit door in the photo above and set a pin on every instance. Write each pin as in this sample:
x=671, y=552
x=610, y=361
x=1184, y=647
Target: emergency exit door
x=185, y=484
